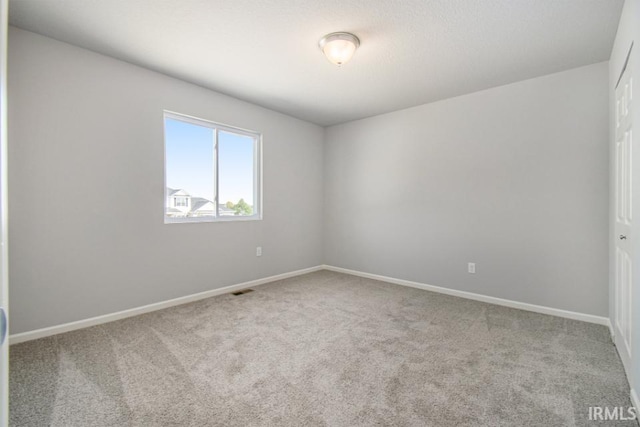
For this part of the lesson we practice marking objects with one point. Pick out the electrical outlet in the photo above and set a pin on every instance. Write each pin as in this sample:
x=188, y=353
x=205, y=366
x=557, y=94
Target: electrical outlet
x=259, y=251
x=472, y=267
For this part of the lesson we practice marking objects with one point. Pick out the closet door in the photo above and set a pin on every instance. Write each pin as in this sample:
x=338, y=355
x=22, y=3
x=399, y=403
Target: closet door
x=624, y=250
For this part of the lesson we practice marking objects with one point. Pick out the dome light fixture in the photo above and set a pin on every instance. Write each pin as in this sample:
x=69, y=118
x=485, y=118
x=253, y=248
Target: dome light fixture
x=339, y=47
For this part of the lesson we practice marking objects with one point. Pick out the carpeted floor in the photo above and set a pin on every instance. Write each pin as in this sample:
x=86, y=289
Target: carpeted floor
x=321, y=349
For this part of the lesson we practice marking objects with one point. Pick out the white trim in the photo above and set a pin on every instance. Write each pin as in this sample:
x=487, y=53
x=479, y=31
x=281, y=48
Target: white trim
x=612, y=331
x=4, y=227
x=635, y=401
x=199, y=219
x=479, y=297
x=98, y=320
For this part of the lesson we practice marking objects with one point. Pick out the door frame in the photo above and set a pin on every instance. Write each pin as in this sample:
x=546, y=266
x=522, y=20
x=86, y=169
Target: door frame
x=4, y=264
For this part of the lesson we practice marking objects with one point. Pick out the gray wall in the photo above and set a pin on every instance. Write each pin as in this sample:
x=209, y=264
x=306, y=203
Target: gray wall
x=513, y=178
x=86, y=189
x=628, y=31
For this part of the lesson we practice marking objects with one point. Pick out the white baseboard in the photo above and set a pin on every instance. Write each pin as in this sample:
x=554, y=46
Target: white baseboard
x=93, y=321
x=479, y=297
x=613, y=333
x=72, y=326
x=635, y=401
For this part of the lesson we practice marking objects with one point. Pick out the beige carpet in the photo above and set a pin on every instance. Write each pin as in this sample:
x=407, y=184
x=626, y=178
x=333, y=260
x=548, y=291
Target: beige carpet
x=321, y=349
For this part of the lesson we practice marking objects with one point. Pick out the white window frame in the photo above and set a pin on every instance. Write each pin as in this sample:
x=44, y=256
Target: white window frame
x=180, y=201
x=257, y=170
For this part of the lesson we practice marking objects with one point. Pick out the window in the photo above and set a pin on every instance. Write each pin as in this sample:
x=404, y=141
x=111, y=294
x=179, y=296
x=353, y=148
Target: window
x=212, y=172
x=181, y=201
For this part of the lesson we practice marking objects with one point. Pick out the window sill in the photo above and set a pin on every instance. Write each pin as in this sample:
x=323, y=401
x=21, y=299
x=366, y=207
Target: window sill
x=195, y=220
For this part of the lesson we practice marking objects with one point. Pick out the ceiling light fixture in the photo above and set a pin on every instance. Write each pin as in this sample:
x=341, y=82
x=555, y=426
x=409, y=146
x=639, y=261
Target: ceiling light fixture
x=339, y=47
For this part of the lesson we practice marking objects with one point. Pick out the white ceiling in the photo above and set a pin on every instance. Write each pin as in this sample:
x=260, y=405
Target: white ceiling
x=412, y=52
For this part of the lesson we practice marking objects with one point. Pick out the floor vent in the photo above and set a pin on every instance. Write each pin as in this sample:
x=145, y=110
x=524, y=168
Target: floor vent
x=244, y=291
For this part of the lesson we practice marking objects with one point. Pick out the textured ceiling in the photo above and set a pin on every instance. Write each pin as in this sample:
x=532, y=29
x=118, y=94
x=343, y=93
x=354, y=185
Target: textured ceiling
x=266, y=52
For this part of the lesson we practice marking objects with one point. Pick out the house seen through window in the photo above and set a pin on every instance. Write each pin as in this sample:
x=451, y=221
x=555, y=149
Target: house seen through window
x=181, y=201
x=212, y=171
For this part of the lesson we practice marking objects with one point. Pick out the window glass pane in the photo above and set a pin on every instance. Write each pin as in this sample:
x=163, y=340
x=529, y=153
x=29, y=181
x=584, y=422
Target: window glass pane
x=235, y=174
x=189, y=169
